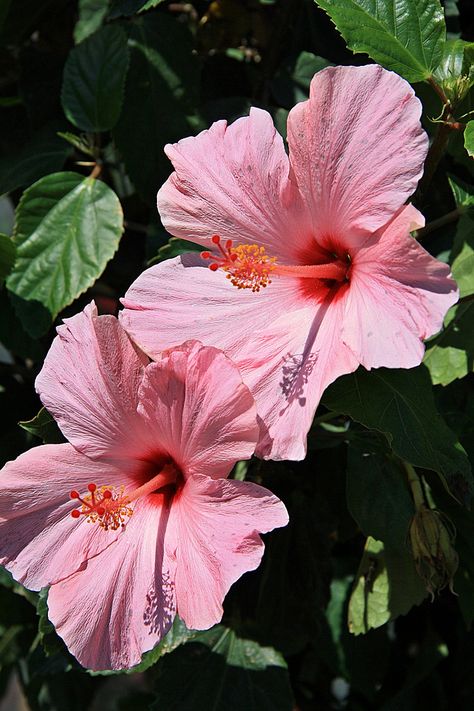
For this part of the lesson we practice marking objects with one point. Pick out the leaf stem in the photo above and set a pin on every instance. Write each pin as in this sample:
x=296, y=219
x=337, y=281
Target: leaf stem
x=325, y=418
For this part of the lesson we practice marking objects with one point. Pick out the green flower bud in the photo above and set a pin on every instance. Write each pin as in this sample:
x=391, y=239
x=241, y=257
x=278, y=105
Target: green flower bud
x=431, y=537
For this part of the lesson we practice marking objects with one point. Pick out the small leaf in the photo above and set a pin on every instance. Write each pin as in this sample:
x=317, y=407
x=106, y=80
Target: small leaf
x=219, y=670
x=94, y=80
x=173, y=248
x=7, y=256
x=91, y=15
x=80, y=142
x=406, y=36
x=455, y=72
x=469, y=138
x=67, y=228
x=386, y=586
x=377, y=496
x=126, y=8
x=291, y=83
x=462, y=256
x=450, y=355
x=44, y=426
x=400, y=404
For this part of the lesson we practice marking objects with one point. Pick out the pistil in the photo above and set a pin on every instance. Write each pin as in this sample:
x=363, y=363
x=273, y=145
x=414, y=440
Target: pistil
x=249, y=267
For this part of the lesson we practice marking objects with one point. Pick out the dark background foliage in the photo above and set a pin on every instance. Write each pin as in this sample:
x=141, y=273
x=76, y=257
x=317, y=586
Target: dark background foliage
x=337, y=616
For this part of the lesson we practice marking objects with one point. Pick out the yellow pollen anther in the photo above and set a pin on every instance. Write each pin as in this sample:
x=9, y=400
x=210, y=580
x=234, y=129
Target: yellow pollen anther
x=247, y=265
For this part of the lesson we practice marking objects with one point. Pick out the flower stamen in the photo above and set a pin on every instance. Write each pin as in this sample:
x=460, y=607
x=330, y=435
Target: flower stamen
x=247, y=265
x=107, y=506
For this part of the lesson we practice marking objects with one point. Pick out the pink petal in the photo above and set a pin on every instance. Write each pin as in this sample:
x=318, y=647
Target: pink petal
x=122, y=602
x=203, y=414
x=399, y=294
x=40, y=543
x=273, y=337
x=356, y=149
x=233, y=181
x=213, y=533
x=89, y=383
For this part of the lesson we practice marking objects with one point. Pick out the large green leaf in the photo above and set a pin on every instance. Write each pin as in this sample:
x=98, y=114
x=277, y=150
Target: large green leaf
x=7, y=256
x=451, y=354
x=160, y=94
x=386, y=586
x=223, y=672
x=91, y=15
x=94, y=79
x=400, y=404
x=406, y=36
x=67, y=228
x=469, y=138
x=377, y=496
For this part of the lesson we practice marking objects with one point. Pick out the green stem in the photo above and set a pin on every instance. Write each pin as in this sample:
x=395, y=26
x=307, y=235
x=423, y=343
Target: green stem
x=415, y=485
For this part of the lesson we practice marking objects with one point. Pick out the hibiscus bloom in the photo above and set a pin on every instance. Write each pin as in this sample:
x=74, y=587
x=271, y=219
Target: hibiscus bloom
x=134, y=521
x=325, y=231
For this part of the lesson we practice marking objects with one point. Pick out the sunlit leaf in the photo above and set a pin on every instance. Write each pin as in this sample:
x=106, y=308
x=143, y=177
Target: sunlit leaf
x=67, y=228
x=406, y=36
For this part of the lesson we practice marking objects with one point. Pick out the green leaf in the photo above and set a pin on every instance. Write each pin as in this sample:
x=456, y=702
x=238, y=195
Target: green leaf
x=121, y=8
x=43, y=154
x=161, y=92
x=400, y=404
x=451, y=354
x=406, y=36
x=291, y=83
x=7, y=256
x=94, y=79
x=469, y=138
x=173, y=248
x=462, y=256
x=223, y=672
x=386, y=586
x=44, y=426
x=377, y=496
x=91, y=15
x=67, y=228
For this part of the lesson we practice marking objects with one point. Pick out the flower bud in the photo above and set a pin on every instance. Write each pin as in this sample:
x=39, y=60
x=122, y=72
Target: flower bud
x=431, y=537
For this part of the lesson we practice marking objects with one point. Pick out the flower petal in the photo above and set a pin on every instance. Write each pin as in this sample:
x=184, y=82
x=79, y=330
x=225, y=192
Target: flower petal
x=273, y=337
x=213, y=533
x=89, y=383
x=357, y=149
x=233, y=181
x=40, y=543
x=205, y=417
x=399, y=294
x=122, y=603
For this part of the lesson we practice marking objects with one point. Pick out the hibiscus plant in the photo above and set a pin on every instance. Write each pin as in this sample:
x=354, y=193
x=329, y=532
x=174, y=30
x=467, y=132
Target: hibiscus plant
x=237, y=355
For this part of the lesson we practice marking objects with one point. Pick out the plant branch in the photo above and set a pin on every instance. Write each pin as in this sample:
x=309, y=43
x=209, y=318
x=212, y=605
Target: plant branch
x=440, y=222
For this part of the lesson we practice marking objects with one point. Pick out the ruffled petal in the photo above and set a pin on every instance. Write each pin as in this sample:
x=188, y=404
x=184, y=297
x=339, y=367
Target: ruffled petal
x=203, y=414
x=273, y=337
x=213, y=534
x=399, y=295
x=233, y=181
x=123, y=602
x=89, y=383
x=357, y=149
x=40, y=543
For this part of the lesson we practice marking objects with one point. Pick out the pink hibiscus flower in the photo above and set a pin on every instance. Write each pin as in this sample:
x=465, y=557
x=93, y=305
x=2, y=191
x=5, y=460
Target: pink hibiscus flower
x=134, y=521
x=325, y=230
